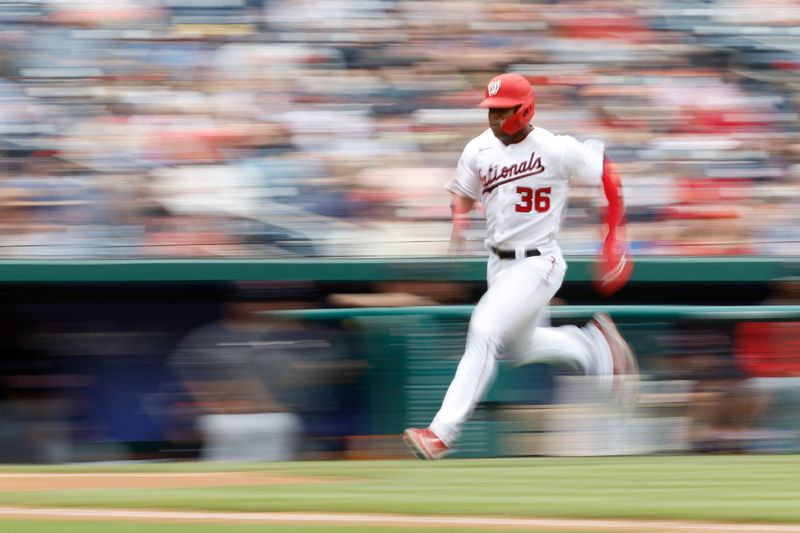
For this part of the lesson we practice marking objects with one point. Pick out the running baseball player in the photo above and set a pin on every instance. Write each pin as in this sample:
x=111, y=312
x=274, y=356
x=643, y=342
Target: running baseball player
x=521, y=176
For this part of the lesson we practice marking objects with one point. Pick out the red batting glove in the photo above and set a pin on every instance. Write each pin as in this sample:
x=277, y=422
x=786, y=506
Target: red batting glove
x=614, y=266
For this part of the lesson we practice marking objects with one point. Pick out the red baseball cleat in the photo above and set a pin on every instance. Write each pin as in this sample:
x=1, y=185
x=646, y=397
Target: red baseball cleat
x=626, y=369
x=425, y=444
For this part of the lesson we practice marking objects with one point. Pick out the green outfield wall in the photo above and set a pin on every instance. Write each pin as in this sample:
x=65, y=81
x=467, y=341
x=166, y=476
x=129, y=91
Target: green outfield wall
x=647, y=269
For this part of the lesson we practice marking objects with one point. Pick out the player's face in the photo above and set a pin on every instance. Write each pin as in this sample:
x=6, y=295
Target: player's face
x=497, y=116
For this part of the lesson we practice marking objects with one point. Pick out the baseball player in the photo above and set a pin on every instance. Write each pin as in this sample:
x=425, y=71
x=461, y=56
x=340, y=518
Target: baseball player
x=521, y=175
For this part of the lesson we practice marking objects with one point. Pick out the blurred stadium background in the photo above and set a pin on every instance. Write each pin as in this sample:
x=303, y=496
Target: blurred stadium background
x=174, y=171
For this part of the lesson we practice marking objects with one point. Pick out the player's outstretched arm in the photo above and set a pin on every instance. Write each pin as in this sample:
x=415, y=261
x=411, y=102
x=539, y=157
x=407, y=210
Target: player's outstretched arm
x=460, y=206
x=614, y=264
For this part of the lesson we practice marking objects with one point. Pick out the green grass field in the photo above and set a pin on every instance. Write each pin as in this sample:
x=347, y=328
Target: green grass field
x=744, y=488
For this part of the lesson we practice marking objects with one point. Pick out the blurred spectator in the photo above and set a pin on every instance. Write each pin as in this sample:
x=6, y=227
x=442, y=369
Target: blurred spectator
x=263, y=387
x=724, y=407
x=772, y=348
x=336, y=124
x=38, y=410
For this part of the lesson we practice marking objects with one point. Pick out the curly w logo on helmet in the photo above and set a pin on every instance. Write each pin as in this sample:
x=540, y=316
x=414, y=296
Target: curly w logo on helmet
x=494, y=88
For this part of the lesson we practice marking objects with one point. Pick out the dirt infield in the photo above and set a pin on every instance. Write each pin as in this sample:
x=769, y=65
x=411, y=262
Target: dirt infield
x=411, y=521
x=14, y=482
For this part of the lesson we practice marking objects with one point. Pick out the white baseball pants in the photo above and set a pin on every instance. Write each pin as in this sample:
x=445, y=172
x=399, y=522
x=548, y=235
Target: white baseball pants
x=504, y=323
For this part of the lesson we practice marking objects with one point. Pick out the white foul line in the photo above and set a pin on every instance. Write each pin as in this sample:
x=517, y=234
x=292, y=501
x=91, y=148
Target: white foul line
x=401, y=520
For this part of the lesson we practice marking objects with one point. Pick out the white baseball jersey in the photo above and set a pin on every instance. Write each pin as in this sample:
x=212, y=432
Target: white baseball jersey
x=524, y=187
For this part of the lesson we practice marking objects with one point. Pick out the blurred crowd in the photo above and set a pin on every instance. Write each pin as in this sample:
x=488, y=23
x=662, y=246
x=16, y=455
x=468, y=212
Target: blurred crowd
x=280, y=128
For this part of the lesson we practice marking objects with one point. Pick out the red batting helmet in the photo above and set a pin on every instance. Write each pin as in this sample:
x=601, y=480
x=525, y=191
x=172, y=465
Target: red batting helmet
x=510, y=90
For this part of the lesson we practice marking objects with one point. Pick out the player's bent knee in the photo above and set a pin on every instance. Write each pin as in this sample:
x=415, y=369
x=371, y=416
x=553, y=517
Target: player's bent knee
x=485, y=333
